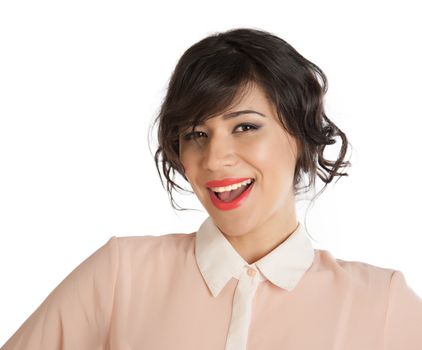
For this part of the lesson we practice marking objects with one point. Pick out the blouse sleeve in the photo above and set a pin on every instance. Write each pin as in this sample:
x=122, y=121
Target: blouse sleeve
x=77, y=313
x=403, y=328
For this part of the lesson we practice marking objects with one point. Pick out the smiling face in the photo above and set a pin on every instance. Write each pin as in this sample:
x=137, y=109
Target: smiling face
x=249, y=145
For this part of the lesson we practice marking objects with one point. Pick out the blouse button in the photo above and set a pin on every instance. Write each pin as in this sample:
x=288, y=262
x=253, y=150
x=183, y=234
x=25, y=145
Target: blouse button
x=251, y=272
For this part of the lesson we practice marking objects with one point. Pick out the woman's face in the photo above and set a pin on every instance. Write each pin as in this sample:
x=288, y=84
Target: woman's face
x=252, y=145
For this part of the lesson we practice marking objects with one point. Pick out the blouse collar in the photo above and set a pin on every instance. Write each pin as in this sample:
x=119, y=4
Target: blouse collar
x=218, y=261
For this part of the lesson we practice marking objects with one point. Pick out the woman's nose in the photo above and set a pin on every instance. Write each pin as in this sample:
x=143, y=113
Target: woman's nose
x=218, y=153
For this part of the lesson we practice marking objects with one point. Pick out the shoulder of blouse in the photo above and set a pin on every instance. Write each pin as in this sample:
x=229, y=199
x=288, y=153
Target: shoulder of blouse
x=360, y=272
x=154, y=245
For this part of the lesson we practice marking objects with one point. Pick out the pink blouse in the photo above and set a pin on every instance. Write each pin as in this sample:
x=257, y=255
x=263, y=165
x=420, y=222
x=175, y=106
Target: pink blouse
x=194, y=291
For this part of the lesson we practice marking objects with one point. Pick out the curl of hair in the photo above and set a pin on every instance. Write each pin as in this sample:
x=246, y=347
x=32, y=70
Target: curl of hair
x=212, y=73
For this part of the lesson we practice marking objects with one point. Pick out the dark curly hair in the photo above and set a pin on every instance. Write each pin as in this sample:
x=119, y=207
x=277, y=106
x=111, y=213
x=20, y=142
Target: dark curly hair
x=211, y=73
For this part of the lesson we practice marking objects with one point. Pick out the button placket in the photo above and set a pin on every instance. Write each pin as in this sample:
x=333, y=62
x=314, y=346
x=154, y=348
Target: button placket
x=242, y=309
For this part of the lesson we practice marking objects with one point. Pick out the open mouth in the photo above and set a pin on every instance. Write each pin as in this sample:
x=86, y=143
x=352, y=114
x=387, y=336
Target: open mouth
x=229, y=196
x=231, y=199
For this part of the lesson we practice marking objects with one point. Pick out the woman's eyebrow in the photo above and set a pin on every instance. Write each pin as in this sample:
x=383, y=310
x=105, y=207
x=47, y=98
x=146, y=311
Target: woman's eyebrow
x=237, y=113
x=234, y=115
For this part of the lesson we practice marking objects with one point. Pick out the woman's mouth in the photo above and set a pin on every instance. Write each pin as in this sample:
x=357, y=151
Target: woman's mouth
x=226, y=199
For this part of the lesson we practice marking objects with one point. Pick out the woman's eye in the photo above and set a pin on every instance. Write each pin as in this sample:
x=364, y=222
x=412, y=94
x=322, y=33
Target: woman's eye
x=197, y=134
x=247, y=127
x=193, y=135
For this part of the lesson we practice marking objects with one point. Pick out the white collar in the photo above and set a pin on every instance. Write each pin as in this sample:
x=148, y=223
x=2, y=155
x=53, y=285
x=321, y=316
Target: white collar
x=218, y=261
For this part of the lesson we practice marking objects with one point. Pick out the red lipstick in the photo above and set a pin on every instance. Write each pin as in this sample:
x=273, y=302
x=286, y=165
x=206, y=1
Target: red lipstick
x=234, y=203
x=225, y=182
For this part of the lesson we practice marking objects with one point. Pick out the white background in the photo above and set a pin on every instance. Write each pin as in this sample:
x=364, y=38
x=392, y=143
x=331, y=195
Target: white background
x=81, y=81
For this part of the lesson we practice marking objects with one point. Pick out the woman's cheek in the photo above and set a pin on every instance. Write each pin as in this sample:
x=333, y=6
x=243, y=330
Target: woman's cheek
x=258, y=151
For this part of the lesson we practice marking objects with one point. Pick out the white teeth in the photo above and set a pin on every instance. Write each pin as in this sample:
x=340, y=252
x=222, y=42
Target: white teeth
x=231, y=187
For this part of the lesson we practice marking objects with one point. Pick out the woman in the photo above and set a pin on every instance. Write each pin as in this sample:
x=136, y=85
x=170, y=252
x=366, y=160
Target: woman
x=243, y=122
